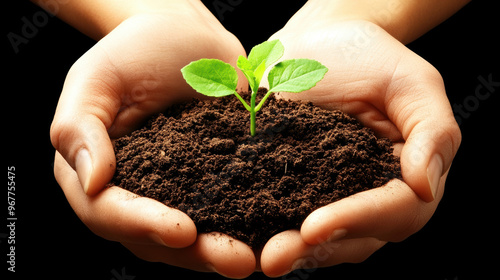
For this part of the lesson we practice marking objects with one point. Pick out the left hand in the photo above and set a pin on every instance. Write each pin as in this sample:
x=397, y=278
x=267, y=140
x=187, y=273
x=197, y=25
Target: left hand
x=399, y=95
x=130, y=74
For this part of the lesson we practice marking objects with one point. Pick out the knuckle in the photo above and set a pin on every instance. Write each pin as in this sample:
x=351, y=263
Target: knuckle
x=60, y=132
x=455, y=135
x=64, y=138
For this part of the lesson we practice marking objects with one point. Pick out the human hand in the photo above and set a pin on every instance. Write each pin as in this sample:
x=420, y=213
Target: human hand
x=153, y=231
x=376, y=79
x=130, y=74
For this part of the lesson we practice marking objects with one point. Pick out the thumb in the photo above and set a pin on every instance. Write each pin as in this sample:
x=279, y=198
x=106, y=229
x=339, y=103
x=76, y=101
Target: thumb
x=85, y=110
x=427, y=155
x=431, y=133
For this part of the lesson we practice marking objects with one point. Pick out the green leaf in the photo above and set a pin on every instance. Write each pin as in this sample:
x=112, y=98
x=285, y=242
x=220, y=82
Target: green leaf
x=260, y=58
x=246, y=68
x=295, y=75
x=211, y=77
x=268, y=52
x=243, y=63
x=259, y=72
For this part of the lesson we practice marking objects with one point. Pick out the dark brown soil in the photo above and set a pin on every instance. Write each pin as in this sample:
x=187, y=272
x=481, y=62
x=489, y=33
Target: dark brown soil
x=200, y=158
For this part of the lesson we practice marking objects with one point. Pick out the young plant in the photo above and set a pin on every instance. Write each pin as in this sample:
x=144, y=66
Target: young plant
x=216, y=78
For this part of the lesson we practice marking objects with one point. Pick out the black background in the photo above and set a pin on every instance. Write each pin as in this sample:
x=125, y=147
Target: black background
x=459, y=242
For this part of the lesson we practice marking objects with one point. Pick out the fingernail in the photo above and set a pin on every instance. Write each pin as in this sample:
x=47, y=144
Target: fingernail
x=337, y=234
x=83, y=165
x=434, y=171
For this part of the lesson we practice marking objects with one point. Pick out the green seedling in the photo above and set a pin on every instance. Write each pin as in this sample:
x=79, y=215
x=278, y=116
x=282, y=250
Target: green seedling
x=213, y=77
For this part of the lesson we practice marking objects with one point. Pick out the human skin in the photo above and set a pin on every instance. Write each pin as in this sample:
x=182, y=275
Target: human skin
x=134, y=72
x=398, y=95
x=131, y=73
x=390, y=89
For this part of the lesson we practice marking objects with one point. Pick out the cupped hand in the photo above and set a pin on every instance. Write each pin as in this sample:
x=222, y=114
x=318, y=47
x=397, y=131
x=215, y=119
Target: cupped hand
x=130, y=74
x=153, y=231
x=399, y=95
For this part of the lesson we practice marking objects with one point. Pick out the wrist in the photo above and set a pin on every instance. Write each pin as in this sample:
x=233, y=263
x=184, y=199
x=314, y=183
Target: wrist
x=404, y=20
x=380, y=13
x=320, y=14
x=96, y=18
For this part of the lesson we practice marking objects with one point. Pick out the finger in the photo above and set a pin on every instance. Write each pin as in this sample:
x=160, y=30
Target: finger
x=287, y=252
x=119, y=215
x=212, y=252
x=390, y=213
x=85, y=111
x=420, y=109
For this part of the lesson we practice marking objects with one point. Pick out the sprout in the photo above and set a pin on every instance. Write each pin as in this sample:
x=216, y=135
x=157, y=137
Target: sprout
x=213, y=77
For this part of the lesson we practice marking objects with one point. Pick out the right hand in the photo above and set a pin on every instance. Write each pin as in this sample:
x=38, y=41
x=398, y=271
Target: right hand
x=399, y=95
x=130, y=74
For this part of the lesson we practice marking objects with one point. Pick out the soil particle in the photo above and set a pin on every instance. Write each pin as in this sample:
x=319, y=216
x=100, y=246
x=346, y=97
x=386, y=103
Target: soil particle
x=199, y=157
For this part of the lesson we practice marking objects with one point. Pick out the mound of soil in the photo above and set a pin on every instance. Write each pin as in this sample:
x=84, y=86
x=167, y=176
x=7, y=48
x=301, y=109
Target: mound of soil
x=199, y=157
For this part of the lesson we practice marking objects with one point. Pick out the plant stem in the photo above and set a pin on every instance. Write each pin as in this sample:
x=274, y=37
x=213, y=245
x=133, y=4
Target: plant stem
x=252, y=113
x=252, y=122
x=262, y=101
x=243, y=101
